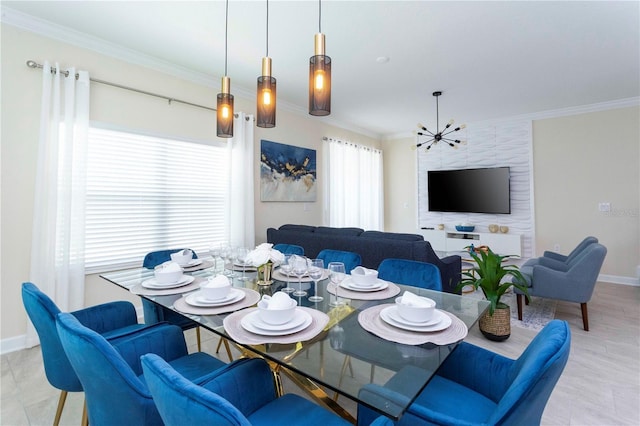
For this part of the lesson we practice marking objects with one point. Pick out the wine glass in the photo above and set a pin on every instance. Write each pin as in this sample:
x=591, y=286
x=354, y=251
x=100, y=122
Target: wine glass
x=299, y=268
x=241, y=254
x=232, y=255
x=215, y=254
x=336, y=275
x=285, y=268
x=316, y=267
x=224, y=254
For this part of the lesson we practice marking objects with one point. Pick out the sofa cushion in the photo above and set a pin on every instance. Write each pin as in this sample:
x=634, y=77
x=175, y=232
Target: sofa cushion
x=391, y=236
x=343, y=232
x=300, y=228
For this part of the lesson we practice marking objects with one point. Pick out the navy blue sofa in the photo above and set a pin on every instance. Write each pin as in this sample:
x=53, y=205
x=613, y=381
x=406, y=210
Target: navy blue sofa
x=372, y=246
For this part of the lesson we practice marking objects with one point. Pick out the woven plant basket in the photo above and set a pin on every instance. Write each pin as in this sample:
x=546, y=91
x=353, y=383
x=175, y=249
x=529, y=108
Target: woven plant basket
x=496, y=327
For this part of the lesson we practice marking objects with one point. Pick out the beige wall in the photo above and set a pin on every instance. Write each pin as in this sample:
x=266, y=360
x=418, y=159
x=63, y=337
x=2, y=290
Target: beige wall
x=21, y=91
x=579, y=161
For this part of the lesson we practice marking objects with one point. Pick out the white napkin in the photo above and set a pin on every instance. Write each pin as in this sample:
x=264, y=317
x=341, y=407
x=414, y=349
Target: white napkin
x=217, y=281
x=411, y=299
x=187, y=252
x=171, y=267
x=361, y=270
x=279, y=300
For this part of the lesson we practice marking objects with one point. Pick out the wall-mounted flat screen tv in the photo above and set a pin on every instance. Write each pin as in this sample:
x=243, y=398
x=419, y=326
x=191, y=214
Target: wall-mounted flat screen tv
x=484, y=190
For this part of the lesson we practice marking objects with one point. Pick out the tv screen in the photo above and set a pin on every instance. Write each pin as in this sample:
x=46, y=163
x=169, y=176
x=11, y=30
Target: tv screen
x=470, y=190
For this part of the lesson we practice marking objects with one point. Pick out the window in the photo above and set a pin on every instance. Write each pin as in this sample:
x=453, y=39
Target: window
x=354, y=195
x=149, y=193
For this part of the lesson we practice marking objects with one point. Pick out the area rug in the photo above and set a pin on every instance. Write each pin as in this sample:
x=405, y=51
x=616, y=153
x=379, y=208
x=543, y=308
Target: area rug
x=535, y=315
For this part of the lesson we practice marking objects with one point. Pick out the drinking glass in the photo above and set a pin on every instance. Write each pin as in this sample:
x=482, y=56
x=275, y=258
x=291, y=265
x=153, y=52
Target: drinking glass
x=224, y=254
x=336, y=275
x=299, y=268
x=242, y=253
x=285, y=268
x=214, y=248
x=316, y=267
x=232, y=255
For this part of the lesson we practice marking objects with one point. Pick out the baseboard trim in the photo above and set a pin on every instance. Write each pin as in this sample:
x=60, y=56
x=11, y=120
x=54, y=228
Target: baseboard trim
x=616, y=279
x=13, y=344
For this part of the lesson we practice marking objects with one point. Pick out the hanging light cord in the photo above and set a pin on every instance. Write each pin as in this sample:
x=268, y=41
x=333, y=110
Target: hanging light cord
x=267, y=28
x=226, y=28
x=319, y=16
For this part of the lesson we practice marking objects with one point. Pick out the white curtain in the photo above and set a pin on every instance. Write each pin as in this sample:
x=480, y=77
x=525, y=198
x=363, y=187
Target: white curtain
x=354, y=186
x=241, y=205
x=57, y=242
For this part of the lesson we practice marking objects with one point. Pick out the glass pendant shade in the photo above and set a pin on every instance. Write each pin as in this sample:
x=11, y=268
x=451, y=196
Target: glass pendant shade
x=225, y=110
x=319, y=80
x=266, y=98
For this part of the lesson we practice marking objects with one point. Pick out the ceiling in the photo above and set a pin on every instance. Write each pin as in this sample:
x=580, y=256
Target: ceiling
x=491, y=60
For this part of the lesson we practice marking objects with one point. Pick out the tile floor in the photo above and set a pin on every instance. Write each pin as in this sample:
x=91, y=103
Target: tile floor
x=600, y=385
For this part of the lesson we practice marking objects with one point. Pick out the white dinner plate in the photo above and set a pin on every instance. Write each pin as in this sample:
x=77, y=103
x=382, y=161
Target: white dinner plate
x=350, y=285
x=196, y=299
x=394, y=314
x=192, y=263
x=253, y=324
x=153, y=284
x=445, y=321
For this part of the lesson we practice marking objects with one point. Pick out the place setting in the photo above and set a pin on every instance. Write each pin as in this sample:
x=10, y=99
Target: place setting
x=216, y=296
x=413, y=320
x=184, y=258
x=276, y=319
x=168, y=278
x=362, y=284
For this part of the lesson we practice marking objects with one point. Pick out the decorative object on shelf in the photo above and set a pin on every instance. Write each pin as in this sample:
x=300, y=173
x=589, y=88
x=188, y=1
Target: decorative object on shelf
x=465, y=227
x=487, y=275
x=263, y=258
x=441, y=226
x=319, y=74
x=266, y=97
x=434, y=138
x=287, y=172
x=504, y=229
x=224, y=128
x=493, y=228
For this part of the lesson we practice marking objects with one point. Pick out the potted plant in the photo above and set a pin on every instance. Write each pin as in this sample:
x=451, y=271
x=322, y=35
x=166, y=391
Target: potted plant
x=488, y=275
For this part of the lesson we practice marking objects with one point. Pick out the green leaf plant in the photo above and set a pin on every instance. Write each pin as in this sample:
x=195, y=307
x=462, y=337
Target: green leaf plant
x=488, y=275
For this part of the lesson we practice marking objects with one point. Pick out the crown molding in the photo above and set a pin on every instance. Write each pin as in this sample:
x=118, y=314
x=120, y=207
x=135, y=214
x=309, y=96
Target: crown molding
x=76, y=38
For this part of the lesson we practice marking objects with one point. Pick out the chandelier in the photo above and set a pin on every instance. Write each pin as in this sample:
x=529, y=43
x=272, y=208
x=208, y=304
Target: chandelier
x=439, y=136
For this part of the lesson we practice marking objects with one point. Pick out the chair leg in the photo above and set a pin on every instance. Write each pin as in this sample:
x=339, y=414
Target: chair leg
x=85, y=416
x=519, y=300
x=198, y=339
x=219, y=346
x=226, y=346
x=585, y=316
x=61, y=400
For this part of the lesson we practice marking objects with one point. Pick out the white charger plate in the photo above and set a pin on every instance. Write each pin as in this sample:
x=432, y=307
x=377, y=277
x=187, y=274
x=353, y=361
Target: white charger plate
x=192, y=263
x=197, y=299
x=254, y=324
x=387, y=315
x=153, y=284
x=350, y=285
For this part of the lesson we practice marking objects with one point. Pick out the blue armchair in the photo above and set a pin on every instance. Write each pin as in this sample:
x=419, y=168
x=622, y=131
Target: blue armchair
x=478, y=387
x=155, y=313
x=571, y=282
x=289, y=249
x=112, y=320
x=577, y=250
x=111, y=373
x=350, y=259
x=242, y=393
x=410, y=272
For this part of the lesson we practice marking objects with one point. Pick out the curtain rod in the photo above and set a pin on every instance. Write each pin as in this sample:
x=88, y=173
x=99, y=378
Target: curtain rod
x=34, y=64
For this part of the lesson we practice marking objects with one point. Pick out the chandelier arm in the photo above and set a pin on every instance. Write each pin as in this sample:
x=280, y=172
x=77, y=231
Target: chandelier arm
x=449, y=132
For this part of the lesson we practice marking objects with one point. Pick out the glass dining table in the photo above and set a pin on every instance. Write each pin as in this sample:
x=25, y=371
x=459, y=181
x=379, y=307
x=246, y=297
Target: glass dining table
x=352, y=351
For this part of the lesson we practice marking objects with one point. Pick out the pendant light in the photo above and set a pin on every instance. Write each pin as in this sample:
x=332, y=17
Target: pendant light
x=319, y=74
x=266, y=98
x=438, y=136
x=225, y=98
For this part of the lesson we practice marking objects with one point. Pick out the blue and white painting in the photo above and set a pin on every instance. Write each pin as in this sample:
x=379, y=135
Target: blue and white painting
x=287, y=173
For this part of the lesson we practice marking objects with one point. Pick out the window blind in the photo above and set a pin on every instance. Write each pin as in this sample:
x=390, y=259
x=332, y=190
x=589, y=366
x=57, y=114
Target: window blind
x=147, y=193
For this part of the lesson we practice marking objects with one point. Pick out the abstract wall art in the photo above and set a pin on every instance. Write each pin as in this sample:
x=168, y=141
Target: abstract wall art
x=287, y=172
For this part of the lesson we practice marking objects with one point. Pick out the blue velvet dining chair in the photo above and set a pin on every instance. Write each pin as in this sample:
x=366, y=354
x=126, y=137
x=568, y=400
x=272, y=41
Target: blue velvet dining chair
x=111, y=319
x=410, y=272
x=111, y=373
x=475, y=386
x=289, y=249
x=242, y=393
x=155, y=313
x=350, y=259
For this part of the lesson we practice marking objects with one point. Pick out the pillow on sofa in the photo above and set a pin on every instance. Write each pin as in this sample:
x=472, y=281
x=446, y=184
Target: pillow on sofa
x=344, y=232
x=391, y=236
x=302, y=228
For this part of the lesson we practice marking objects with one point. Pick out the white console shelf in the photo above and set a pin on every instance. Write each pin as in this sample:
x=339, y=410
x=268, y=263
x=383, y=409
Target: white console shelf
x=451, y=240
